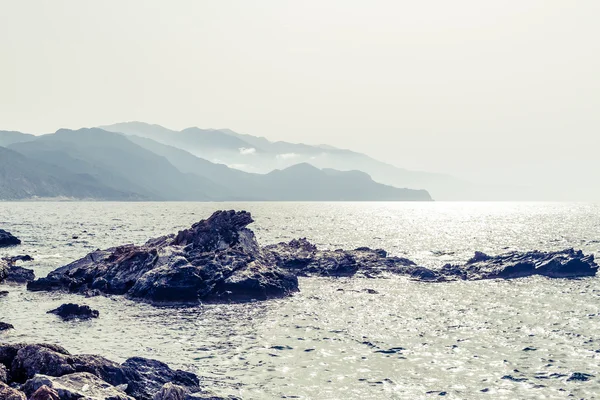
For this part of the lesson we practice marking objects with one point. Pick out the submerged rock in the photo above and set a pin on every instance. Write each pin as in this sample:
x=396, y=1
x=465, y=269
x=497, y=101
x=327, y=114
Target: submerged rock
x=217, y=259
x=7, y=239
x=71, y=311
x=35, y=365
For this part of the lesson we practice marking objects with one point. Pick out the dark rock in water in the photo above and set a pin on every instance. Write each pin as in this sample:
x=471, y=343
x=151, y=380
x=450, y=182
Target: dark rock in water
x=14, y=274
x=146, y=377
x=7, y=239
x=4, y=326
x=568, y=263
x=3, y=293
x=41, y=364
x=71, y=311
x=579, y=376
x=8, y=393
x=217, y=259
x=20, y=275
x=303, y=258
x=45, y=393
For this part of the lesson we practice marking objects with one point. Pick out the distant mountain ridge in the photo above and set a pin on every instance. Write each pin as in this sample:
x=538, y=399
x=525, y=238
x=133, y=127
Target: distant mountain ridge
x=260, y=155
x=98, y=164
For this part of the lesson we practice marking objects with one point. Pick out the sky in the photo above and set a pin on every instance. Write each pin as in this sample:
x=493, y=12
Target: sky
x=502, y=91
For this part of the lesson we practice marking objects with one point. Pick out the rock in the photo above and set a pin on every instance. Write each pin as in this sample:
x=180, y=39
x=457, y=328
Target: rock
x=147, y=377
x=44, y=393
x=558, y=264
x=8, y=393
x=80, y=385
x=216, y=260
x=71, y=311
x=169, y=391
x=38, y=359
x=3, y=373
x=20, y=275
x=14, y=274
x=303, y=258
x=4, y=326
x=3, y=293
x=7, y=239
x=579, y=376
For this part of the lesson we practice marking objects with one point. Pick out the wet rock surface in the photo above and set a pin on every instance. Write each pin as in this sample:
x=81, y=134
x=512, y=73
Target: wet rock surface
x=216, y=260
x=72, y=311
x=568, y=263
x=4, y=326
x=30, y=367
x=11, y=273
x=7, y=239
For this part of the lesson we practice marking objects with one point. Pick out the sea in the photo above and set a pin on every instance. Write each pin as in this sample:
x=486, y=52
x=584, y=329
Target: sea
x=338, y=338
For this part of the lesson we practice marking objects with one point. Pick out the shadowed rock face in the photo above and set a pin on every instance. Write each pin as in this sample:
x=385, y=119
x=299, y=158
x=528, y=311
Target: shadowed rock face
x=7, y=239
x=217, y=259
x=9, y=272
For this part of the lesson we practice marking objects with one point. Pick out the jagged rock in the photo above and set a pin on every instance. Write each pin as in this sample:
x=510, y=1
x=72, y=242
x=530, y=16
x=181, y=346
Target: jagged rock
x=45, y=393
x=139, y=377
x=3, y=373
x=76, y=386
x=4, y=326
x=7, y=239
x=147, y=377
x=302, y=257
x=169, y=391
x=217, y=259
x=557, y=264
x=3, y=293
x=71, y=311
x=8, y=393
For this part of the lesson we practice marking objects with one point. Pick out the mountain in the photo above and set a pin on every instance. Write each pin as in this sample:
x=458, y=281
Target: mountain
x=93, y=163
x=23, y=178
x=258, y=154
x=299, y=182
x=10, y=137
x=117, y=163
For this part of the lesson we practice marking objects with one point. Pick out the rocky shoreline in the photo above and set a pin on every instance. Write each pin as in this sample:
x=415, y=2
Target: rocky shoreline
x=50, y=372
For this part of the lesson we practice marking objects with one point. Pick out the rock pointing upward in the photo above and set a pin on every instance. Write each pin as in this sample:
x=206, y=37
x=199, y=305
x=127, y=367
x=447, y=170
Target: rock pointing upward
x=217, y=259
x=7, y=239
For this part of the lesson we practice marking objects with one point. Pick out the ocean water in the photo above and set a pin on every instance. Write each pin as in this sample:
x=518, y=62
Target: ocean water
x=518, y=339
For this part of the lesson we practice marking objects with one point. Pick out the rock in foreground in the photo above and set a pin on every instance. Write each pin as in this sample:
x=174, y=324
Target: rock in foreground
x=31, y=367
x=7, y=239
x=72, y=311
x=217, y=259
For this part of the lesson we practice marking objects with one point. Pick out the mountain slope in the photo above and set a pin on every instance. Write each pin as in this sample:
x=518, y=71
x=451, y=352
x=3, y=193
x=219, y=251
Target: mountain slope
x=23, y=178
x=10, y=137
x=118, y=163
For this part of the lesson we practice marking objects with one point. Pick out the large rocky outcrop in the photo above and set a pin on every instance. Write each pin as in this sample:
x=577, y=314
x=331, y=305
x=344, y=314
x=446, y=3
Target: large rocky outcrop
x=7, y=239
x=217, y=259
x=30, y=366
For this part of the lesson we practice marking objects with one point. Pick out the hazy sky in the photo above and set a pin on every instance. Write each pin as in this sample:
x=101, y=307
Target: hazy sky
x=508, y=90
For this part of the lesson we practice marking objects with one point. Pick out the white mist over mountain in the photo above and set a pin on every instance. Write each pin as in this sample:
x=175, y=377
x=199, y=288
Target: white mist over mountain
x=504, y=93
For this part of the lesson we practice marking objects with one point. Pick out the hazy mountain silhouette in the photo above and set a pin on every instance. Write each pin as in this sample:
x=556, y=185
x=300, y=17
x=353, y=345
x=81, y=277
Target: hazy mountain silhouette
x=93, y=163
x=258, y=154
